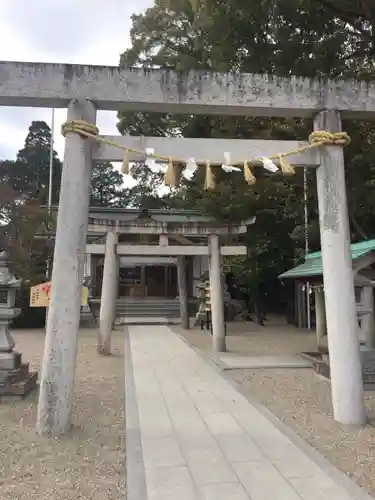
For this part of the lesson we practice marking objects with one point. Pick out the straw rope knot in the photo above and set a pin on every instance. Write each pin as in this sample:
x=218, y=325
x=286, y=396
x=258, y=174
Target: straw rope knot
x=80, y=127
x=324, y=138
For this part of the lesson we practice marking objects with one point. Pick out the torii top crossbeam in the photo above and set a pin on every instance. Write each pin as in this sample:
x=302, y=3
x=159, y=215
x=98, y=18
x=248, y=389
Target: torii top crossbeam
x=113, y=88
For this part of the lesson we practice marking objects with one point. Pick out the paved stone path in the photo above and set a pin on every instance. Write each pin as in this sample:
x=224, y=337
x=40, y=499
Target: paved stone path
x=192, y=436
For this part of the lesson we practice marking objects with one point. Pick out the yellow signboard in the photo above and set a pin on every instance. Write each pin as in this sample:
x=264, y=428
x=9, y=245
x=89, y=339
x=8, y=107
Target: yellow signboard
x=40, y=295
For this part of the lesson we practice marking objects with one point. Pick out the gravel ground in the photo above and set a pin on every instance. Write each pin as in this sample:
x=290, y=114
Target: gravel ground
x=299, y=397
x=87, y=464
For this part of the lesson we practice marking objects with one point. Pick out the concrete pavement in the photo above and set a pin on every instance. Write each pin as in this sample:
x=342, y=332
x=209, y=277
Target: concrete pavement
x=192, y=436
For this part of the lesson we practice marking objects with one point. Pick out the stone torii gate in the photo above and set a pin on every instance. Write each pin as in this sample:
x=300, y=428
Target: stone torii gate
x=84, y=89
x=166, y=227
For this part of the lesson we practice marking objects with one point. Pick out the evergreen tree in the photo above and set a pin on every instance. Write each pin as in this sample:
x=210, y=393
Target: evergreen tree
x=307, y=38
x=107, y=186
x=29, y=174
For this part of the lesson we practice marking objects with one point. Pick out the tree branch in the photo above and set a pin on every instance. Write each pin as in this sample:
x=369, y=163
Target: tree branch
x=168, y=44
x=347, y=16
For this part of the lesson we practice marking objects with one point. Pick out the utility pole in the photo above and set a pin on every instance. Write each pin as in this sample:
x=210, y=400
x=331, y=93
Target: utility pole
x=306, y=216
x=48, y=267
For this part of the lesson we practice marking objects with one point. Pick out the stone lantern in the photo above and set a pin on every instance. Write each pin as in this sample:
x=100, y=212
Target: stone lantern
x=8, y=288
x=15, y=378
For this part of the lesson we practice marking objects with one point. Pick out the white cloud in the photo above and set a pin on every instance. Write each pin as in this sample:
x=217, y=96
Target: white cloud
x=72, y=31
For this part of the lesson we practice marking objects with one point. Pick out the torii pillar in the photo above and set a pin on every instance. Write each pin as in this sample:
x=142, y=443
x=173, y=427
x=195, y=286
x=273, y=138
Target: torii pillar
x=342, y=326
x=368, y=321
x=60, y=348
x=216, y=294
x=109, y=294
x=183, y=291
x=320, y=316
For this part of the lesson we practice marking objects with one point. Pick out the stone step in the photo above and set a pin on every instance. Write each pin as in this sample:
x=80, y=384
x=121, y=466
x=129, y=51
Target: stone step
x=145, y=307
x=148, y=314
x=149, y=320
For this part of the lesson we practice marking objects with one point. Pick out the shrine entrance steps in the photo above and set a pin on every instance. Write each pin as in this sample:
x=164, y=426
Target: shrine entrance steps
x=129, y=309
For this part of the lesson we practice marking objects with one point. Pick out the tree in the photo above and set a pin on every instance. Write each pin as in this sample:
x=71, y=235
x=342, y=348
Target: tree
x=17, y=236
x=310, y=38
x=29, y=174
x=23, y=198
x=19, y=222
x=149, y=190
x=106, y=186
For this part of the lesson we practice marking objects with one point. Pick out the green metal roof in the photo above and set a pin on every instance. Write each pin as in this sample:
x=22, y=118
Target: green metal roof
x=313, y=261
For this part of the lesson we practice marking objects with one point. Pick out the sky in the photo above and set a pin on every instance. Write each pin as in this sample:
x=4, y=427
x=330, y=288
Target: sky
x=61, y=31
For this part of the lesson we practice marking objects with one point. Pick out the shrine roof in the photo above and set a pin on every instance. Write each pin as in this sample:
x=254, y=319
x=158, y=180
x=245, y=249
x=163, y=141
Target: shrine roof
x=313, y=266
x=162, y=215
x=136, y=220
x=186, y=220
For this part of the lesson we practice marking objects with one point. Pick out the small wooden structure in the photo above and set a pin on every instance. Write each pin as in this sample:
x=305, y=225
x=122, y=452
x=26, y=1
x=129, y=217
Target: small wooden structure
x=311, y=272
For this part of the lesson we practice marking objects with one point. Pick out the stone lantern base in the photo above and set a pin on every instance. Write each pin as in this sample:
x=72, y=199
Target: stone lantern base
x=16, y=381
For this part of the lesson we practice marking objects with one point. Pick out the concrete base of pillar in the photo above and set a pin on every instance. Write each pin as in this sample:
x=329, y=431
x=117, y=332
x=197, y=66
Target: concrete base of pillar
x=104, y=339
x=219, y=344
x=322, y=342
